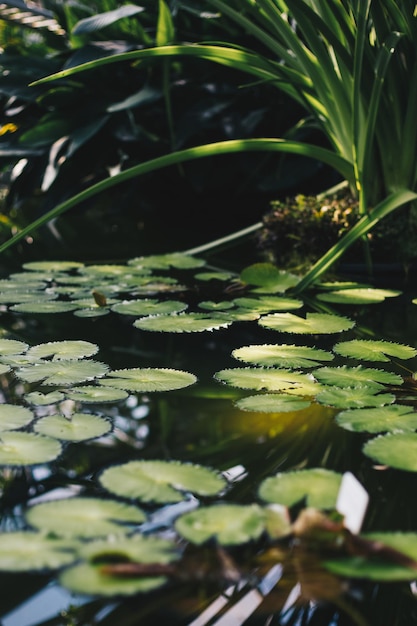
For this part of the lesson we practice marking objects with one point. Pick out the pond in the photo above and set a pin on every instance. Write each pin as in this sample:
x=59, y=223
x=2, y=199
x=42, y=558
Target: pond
x=173, y=439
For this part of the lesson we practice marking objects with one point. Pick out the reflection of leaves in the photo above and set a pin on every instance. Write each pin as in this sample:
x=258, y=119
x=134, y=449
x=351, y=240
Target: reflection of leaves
x=318, y=485
x=161, y=481
x=148, y=379
x=316, y=323
x=372, y=350
x=289, y=356
x=62, y=372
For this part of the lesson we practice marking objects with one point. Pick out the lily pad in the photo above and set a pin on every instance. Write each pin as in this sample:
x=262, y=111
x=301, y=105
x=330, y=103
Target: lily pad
x=11, y=346
x=4, y=369
x=43, y=399
x=147, y=379
x=268, y=278
x=262, y=378
x=319, y=486
x=290, y=356
x=63, y=350
x=209, y=305
x=148, y=307
x=25, y=296
x=354, y=397
x=78, y=427
x=137, y=548
x=95, y=394
x=398, y=450
x=272, y=403
x=62, y=372
x=161, y=481
x=84, y=517
x=44, y=307
x=358, y=296
x=52, y=266
x=345, y=376
x=91, y=580
x=18, y=448
x=268, y=304
x=173, y=259
x=229, y=524
x=29, y=551
x=391, y=418
x=314, y=323
x=374, y=350
x=13, y=416
x=182, y=323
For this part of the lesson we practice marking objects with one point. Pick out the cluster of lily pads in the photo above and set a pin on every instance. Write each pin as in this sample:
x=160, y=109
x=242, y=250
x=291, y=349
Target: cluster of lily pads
x=87, y=535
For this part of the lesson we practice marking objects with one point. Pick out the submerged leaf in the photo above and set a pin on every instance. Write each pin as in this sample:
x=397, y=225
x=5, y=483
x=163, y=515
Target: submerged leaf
x=290, y=356
x=79, y=427
x=398, y=450
x=18, y=448
x=161, y=481
x=374, y=350
x=147, y=379
x=229, y=524
x=28, y=551
x=319, y=486
x=315, y=323
x=391, y=418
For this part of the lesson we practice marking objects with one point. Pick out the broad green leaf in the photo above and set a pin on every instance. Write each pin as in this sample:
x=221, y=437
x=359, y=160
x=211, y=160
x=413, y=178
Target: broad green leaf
x=63, y=350
x=391, y=418
x=147, y=379
x=206, y=276
x=92, y=580
x=319, y=486
x=262, y=378
x=78, y=427
x=13, y=416
x=229, y=524
x=357, y=296
x=272, y=403
x=209, y=305
x=43, y=399
x=398, y=450
x=378, y=567
x=268, y=277
x=26, y=297
x=161, y=481
x=182, y=323
x=282, y=355
x=95, y=394
x=44, y=307
x=52, y=266
x=374, y=350
x=28, y=551
x=315, y=323
x=178, y=260
x=345, y=376
x=354, y=397
x=11, y=346
x=268, y=304
x=148, y=307
x=62, y=372
x=18, y=448
x=101, y=20
x=137, y=548
x=84, y=517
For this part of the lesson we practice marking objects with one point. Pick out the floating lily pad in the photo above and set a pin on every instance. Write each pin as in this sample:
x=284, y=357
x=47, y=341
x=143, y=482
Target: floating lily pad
x=268, y=278
x=173, y=259
x=205, y=276
x=29, y=551
x=13, y=416
x=319, y=486
x=161, y=481
x=209, y=305
x=11, y=346
x=262, y=378
x=43, y=399
x=272, y=403
x=377, y=567
x=362, y=295
x=4, y=369
x=315, y=323
x=148, y=307
x=391, y=418
x=268, y=304
x=91, y=580
x=52, y=266
x=398, y=450
x=97, y=311
x=44, y=307
x=354, y=397
x=17, y=448
x=62, y=372
x=345, y=376
x=147, y=379
x=374, y=350
x=25, y=297
x=63, y=350
x=78, y=427
x=182, y=323
x=84, y=517
x=289, y=356
x=95, y=394
x=229, y=524
x=137, y=548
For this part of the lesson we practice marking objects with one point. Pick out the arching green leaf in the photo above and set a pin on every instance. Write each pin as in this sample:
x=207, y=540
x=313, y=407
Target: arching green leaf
x=13, y=416
x=146, y=379
x=78, y=427
x=398, y=450
x=374, y=350
x=319, y=486
x=272, y=403
x=289, y=356
x=17, y=448
x=316, y=323
x=28, y=551
x=229, y=524
x=161, y=481
x=391, y=418
x=182, y=323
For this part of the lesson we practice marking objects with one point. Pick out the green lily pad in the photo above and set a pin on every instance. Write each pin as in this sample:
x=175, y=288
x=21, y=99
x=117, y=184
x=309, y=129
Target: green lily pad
x=62, y=372
x=182, y=323
x=178, y=260
x=345, y=376
x=13, y=416
x=290, y=356
x=18, y=448
x=29, y=551
x=354, y=397
x=11, y=346
x=84, y=517
x=97, y=311
x=268, y=304
x=147, y=379
x=63, y=350
x=52, y=266
x=137, y=548
x=43, y=399
x=78, y=427
x=367, y=295
x=391, y=418
x=319, y=486
x=24, y=296
x=44, y=307
x=148, y=307
x=209, y=305
x=262, y=378
x=91, y=580
x=161, y=481
x=315, y=323
x=272, y=403
x=229, y=524
x=379, y=568
x=95, y=394
x=4, y=369
x=206, y=276
x=374, y=350
x=268, y=278
x=398, y=450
